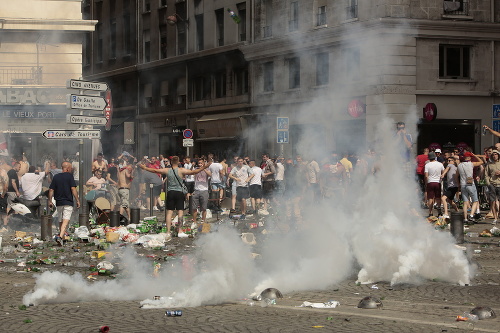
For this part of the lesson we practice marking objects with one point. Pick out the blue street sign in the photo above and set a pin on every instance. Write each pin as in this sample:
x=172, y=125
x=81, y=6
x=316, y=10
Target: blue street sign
x=283, y=137
x=496, y=125
x=283, y=123
x=496, y=111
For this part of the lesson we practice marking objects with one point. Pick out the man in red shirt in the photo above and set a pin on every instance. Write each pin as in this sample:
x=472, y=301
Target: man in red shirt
x=421, y=160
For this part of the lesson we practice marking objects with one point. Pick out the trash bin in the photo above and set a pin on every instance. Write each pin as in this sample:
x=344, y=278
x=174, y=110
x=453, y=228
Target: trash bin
x=135, y=215
x=46, y=226
x=457, y=226
x=83, y=220
x=114, y=219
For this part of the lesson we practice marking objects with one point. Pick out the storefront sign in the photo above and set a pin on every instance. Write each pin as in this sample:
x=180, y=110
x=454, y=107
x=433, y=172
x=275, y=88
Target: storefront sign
x=128, y=133
x=434, y=146
x=33, y=112
x=356, y=108
x=108, y=111
x=430, y=112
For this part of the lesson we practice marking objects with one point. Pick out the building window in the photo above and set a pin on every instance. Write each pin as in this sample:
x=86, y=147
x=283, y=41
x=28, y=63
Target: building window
x=293, y=24
x=322, y=69
x=146, y=46
x=87, y=51
x=268, y=17
x=180, y=9
x=456, y=7
x=112, y=37
x=321, y=18
x=163, y=3
x=164, y=91
x=219, y=26
x=242, y=27
x=200, y=42
x=148, y=95
x=269, y=76
x=220, y=84
x=163, y=41
x=99, y=42
x=352, y=9
x=294, y=73
x=352, y=64
x=454, y=61
x=147, y=6
x=127, y=35
x=240, y=81
x=200, y=88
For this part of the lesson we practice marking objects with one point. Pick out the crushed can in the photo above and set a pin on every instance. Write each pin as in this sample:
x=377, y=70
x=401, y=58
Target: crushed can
x=173, y=313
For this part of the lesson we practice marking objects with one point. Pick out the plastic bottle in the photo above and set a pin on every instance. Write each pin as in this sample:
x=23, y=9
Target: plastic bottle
x=470, y=316
x=233, y=15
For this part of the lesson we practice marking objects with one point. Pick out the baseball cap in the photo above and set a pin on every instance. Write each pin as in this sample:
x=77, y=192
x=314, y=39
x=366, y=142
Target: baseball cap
x=432, y=155
x=468, y=154
x=437, y=150
x=495, y=152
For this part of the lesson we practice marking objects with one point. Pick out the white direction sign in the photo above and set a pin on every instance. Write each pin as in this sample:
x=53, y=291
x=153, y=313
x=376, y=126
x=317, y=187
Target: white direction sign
x=86, y=85
x=86, y=102
x=72, y=134
x=88, y=120
x=187, y=142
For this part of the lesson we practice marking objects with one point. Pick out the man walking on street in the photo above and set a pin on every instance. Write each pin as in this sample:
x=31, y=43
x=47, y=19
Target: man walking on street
x=200, y=194
x=13, y=186
x=433, y=171
x=63, y=190
x=468, y=188
x=242, y=175
x=268, y=174
x=125, y=177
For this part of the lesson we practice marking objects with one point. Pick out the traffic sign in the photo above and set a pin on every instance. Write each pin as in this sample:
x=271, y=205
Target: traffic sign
x=495, y=111
x=187, y=142
x=90, y=120
x=87, y=85
x=283, y=123
x=86, y=102
x=283, y=137
x=187, y=134
x=72, y=134
x=496, y=125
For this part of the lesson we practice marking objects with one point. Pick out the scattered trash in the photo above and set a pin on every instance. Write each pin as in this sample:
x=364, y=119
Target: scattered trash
x=317, y=326
x=22, y=307
x=269, y=293
x=174, y=313
x=248, y=238
x=374, y=286
x=477, y=251
x=105, y=265
x=485, y=233
x=370, y=302
x=104, y=329
x=21, y=284
x=27, y=321
x=466, y=316
x=326, y=305
x=483, y=312
x=99, y=254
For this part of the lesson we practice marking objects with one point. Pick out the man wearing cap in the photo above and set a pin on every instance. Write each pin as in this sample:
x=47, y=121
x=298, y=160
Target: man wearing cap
x=433, y=171
x=468, y=188
x=492, y=177
x=439, y=158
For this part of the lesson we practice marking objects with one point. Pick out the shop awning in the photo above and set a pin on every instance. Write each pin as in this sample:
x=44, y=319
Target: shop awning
x=222, y=126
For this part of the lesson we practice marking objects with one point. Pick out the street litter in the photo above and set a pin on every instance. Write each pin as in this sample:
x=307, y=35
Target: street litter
x=105, y=265
x=370, y=302
x=483, y=312
x=326, y=305
x=156, y=303
x=485, y=233
x=248, y=238
x=104, y=329
x=269, y=293
x=374, y=286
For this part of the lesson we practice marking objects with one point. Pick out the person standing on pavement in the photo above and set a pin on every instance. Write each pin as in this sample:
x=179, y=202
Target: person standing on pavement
x=492, y=178
x=433, y=171
x=155, y=179
x=31, y=183
x=255, y=188
x=200, y=194
x=467, y=186
x=313, y=179
x=241, y=174
x=125, y=177
x=175, y=194
x=421, y=160
x=13, y=185
x=216, y=183
x=268, y=174
x=63, y=190
x=452, y=182
x=189, y=181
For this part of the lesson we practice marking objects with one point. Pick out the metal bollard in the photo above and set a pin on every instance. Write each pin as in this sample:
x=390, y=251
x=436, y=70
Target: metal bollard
x=46, y=227
x=84, y=220
x=151, y=200
x=135, y=215
x=114, y=219
x=457, y=226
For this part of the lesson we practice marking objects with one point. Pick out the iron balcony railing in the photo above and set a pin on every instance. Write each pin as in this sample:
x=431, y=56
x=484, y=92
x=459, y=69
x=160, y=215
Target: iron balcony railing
x=20, y=75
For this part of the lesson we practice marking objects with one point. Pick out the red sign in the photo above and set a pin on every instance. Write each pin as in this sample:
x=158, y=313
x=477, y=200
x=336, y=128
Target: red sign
x=108, y=111
x=433, y=146
x=430, y=112
x=356, y=108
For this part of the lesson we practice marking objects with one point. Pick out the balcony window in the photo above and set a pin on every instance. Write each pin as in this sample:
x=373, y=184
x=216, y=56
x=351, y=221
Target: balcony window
x=294, y=73
x=268, y=76
x=219, y=26
x=352, y=9
x=293, y=23
x=242, y=27
x=454, y=61
x=322, y=69
x=456, y=7
x=321, y=17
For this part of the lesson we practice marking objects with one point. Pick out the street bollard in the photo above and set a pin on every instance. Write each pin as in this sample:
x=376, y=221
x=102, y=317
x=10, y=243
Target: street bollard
x=151, y=200
x=83, y=220
x=114, y=219
x=135, y=215
x=46, y=227
x=457, y=227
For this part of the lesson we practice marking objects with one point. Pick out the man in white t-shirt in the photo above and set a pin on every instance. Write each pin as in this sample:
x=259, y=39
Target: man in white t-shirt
x=433, y=171
x=242, y=175
x=31, y=183
x=200, y=194
x=216, y=182
x=255, y=186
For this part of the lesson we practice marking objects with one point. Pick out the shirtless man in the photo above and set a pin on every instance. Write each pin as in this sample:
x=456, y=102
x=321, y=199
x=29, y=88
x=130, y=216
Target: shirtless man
x=99, y=164
x=125, y=177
